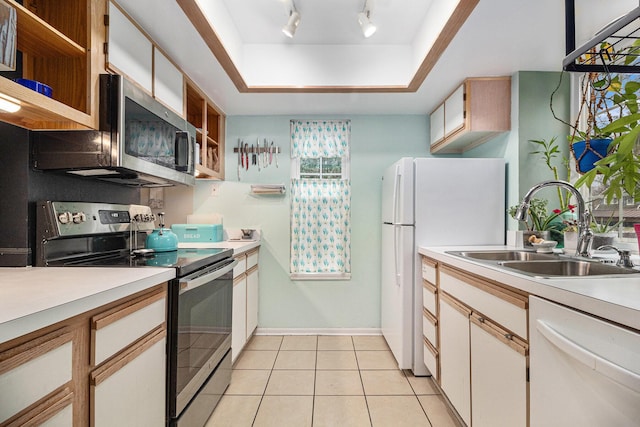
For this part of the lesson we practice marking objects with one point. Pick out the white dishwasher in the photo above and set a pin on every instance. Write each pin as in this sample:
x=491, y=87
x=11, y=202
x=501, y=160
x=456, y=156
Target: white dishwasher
x=583, y=371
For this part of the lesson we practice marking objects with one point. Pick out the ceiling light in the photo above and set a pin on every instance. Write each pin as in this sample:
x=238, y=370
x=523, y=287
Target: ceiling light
x=364, y=20
x=9, y=104
x=292, y=24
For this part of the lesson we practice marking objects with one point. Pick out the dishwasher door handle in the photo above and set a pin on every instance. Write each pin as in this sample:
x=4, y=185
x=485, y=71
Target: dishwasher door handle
x=614, y=372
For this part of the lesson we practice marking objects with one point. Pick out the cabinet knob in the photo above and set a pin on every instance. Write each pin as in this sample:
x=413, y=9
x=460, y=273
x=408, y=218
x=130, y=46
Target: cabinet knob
x=481, y=319
x=508, y=336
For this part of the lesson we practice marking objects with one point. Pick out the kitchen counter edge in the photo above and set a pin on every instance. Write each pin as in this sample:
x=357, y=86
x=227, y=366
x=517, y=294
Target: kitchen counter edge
x=35, y=297
x=613, y=298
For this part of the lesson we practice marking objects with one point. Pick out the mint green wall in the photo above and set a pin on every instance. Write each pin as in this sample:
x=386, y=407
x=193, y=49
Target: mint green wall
x=376, y=142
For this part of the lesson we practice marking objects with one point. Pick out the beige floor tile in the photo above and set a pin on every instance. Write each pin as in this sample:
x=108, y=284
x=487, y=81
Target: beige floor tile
x=385, y=383
x=296, y=359
x=396, y=411
x=234, y=411
x=421, y=385
x=437, y=411
x=256, y=359
x=338, y=383
x=336, y=359
x=285, y=411
x=265, y=342
x=376, y=359
x=248, y=382
x=326, y=342
x=333, y=411
x=370, y=342
x=291, y=383
x=299, y=342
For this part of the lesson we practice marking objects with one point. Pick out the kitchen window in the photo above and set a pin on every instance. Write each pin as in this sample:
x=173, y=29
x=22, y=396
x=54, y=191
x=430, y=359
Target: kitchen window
x=320, y=200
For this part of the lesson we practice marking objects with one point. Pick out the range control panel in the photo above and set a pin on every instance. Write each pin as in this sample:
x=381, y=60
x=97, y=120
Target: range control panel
x=61, y=219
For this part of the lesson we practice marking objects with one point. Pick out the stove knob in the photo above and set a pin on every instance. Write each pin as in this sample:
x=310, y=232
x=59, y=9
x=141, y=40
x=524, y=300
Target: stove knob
x=64, y=217
x=79, y=217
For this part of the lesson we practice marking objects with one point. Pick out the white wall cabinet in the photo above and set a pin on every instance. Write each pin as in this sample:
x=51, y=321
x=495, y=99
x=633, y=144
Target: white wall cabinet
x=478, y=109
x=130, y=51
x=245, y=300
x=168, y=82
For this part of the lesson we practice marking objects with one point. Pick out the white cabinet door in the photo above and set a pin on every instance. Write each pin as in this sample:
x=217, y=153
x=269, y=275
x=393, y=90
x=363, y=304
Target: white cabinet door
x=455, y=378
x=130, y=51
x=498, y=378
x=168, y=83
x=436, y=122
x=239, y=316
x=133, y=394
x=454, y=113
x=252, y=300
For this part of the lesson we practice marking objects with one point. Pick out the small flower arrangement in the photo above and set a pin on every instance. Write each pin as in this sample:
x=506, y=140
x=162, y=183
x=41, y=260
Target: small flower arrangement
x=540, y=219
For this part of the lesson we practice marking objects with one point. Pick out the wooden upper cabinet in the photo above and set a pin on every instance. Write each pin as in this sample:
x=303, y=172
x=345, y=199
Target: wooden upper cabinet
x=57, y=41
x=479, y=109
x=210, y=125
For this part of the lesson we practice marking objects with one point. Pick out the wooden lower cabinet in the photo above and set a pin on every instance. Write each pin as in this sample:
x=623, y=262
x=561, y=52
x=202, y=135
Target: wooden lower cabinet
x=244, y=319
x=52, y=377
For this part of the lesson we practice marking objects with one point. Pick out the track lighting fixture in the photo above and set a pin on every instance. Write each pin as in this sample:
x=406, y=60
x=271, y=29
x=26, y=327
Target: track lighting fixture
x=294, y=20
x=364, y=20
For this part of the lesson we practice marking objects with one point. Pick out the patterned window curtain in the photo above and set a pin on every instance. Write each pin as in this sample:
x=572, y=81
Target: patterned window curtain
x=321, y=208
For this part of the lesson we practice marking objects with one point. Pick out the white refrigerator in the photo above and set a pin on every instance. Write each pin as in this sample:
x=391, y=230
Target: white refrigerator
x=431, y=202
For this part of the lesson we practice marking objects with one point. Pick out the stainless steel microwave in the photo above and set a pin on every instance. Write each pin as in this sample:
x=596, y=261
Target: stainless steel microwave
x=140, y=142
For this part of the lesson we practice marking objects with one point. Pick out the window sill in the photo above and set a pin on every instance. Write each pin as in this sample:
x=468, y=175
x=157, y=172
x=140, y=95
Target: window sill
x=320, y=276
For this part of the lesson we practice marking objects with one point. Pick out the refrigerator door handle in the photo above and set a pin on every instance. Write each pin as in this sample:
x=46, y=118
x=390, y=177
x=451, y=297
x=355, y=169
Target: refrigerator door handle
x=396, y=193
x=396, y=255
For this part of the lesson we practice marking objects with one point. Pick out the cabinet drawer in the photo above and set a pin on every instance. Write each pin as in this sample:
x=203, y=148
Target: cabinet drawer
x=429, y=327
x=55, y=410
x=429, y=270
x=501, y=305
x=33, y=370
x=431, y=359
x=118, y=328
x=241, y=266
x=252, y=258
x=429, y=295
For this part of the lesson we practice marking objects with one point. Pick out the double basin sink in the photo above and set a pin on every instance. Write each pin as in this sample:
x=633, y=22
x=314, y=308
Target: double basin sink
x=544, y=265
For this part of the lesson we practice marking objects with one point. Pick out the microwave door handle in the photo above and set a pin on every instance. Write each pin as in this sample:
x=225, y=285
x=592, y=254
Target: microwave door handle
x=182, y=149
x=187, y=284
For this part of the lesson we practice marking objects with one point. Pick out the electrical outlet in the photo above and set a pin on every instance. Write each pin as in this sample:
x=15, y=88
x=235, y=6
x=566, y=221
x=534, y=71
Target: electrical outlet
x=215, y=189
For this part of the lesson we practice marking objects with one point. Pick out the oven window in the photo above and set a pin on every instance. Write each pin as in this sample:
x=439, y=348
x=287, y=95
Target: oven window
x=204, y=323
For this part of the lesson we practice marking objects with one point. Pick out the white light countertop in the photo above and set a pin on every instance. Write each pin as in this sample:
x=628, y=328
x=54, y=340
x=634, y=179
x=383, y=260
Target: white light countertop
x=238, y=246
x=613, y=298
x=35, y=297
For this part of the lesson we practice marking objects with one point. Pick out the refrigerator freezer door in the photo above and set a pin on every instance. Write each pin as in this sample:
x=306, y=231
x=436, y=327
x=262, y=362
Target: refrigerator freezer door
x=397, y=292
x=397, y=193
x=460, y=202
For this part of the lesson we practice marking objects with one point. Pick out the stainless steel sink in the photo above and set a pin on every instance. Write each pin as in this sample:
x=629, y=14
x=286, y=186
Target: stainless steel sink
x=566, y=268
x=503, y=255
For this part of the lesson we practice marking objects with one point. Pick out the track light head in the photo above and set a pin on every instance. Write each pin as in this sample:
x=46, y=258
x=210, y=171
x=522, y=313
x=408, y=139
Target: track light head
x=364, y=19
x=366, y=25
x=292, y=24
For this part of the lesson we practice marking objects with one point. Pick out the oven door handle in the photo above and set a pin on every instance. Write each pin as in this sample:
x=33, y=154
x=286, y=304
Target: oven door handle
x=187, y=284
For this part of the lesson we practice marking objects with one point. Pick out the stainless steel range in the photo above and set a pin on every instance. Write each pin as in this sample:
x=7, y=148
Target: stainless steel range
x=200, y=298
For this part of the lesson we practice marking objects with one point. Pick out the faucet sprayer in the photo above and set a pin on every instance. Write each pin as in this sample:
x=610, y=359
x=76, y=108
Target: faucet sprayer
x=584, y=232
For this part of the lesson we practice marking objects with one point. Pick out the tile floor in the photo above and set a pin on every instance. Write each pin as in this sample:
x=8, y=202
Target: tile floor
x=334, y=381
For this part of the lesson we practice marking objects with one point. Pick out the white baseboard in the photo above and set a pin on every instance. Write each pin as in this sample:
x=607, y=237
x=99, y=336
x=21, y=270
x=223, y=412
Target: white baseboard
x=318, y=331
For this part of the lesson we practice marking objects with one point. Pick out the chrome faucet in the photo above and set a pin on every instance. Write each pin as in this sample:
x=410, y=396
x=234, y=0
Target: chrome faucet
x=584, y=232
x=624, y=259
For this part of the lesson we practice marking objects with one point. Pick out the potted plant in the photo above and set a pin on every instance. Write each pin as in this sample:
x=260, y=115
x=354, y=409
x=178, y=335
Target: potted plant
x=603, y=232
x=540, y=222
